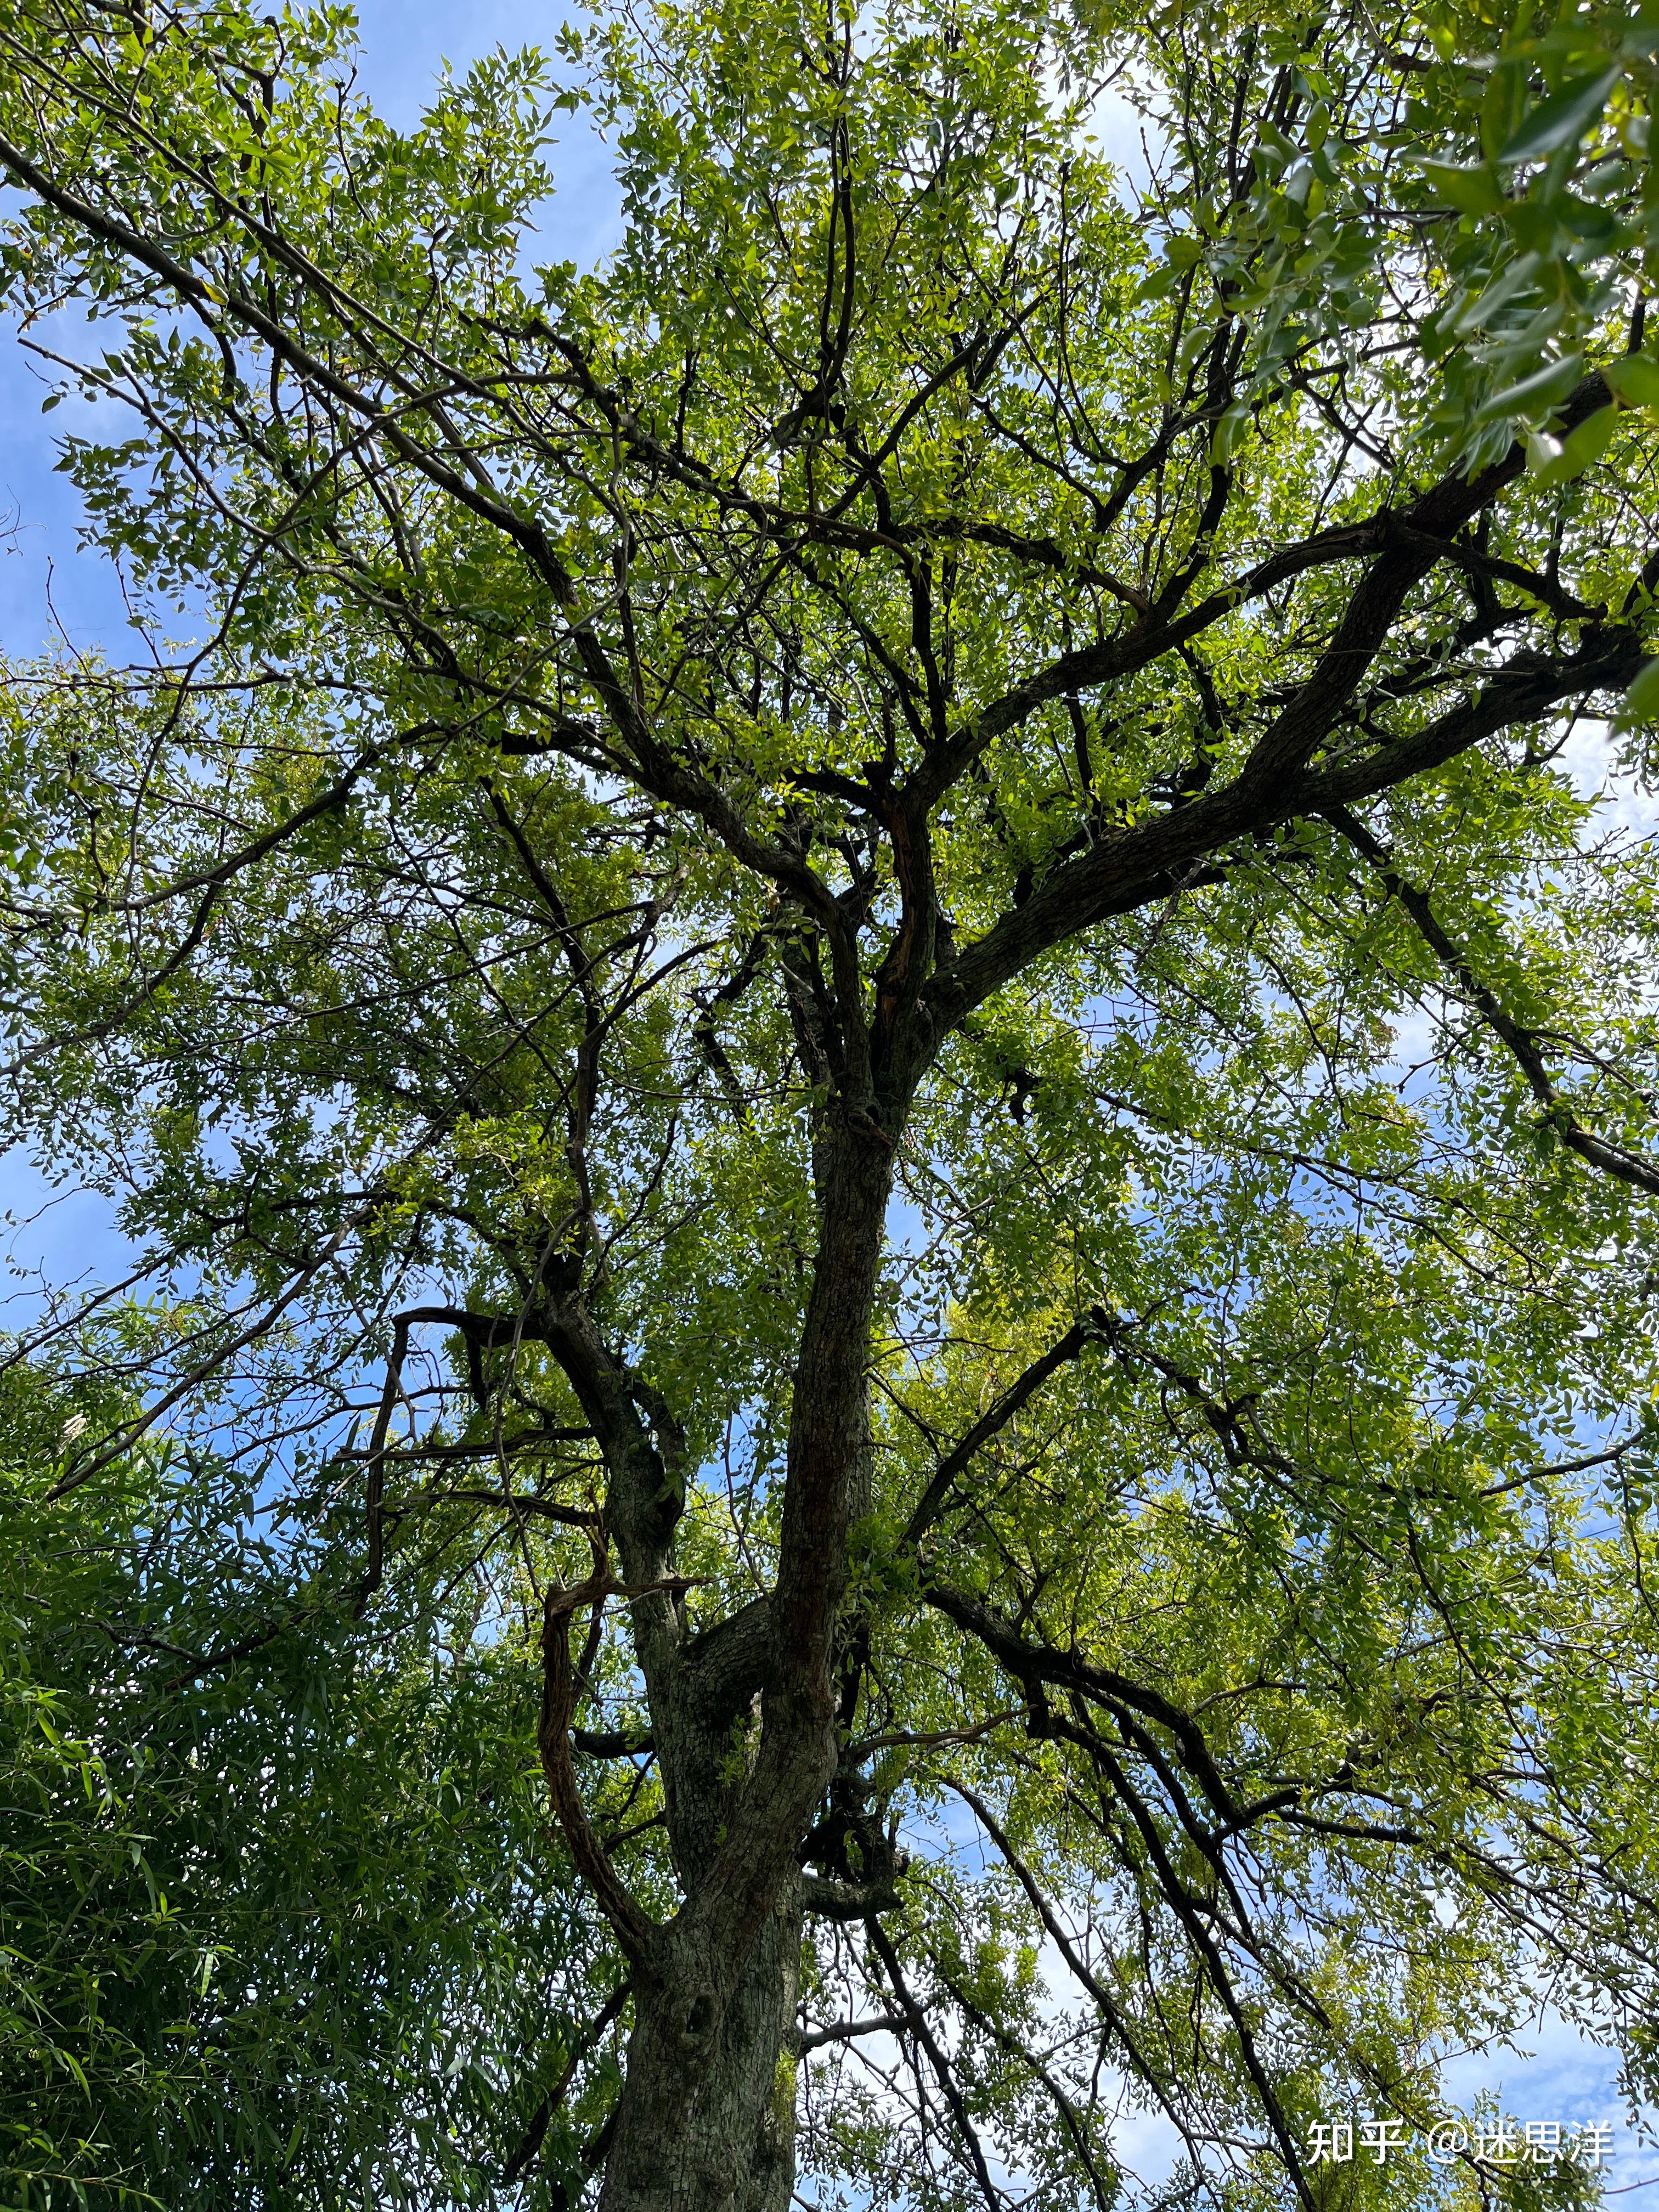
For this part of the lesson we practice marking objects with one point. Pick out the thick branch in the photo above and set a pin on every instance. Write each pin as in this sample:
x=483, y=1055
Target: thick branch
x=1130, y=868
x=828, y=1898
x=1033, y=1666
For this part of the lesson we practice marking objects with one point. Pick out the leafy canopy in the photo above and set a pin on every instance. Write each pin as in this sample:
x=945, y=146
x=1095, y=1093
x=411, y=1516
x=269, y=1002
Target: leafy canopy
x=931, y=655
x=232, y=1863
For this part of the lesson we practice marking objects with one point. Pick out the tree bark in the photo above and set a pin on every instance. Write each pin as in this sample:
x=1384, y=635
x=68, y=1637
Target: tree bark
x=706, y=2121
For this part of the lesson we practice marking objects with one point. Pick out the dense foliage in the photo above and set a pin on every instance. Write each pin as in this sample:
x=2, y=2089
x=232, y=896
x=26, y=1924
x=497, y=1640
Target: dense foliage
x=279, y=1914
x=874, y=1004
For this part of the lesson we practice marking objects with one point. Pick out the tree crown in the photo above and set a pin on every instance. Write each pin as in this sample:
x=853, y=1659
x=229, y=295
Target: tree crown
x=856, y=965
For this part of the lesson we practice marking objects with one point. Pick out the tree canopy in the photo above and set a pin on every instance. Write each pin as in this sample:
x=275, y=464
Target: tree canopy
x=872, y=1001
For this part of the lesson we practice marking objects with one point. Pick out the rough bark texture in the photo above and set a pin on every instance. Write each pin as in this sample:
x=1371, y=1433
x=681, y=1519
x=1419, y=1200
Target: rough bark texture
x=744, y=1722
x=706, y=2118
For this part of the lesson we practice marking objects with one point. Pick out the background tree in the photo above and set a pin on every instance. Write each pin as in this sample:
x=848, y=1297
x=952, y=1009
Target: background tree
x=278, y=1917
x=854, y=959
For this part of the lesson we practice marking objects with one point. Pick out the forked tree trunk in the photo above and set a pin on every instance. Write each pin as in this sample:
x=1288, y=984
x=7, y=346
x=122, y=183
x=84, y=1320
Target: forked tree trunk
x=706, y=2121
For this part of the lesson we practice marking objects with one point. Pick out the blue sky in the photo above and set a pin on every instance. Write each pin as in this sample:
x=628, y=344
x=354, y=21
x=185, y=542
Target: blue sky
x=53, y=594
x=47, y=590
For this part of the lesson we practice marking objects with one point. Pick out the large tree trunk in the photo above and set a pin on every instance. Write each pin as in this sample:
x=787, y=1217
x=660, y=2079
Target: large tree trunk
x=705, y=2122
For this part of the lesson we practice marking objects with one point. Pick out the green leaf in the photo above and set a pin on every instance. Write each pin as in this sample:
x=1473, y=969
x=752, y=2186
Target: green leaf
x=1537, y=394
x=1472, y=190
x=1561, y=119
x=1584, y=446
x=1635, y=378
x=1642, y=700
x=1228, y=431
x=1501, y=105
x=1315, y=1400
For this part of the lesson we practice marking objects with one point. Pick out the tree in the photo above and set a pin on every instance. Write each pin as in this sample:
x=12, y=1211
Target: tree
x=855, y=959
x=277, y=1916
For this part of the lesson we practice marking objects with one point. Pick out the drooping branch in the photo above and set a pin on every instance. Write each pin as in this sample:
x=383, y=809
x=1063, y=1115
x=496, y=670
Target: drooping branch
x=994, y=1419
x=1110, y=2011
x=1525, y=1046
x=123, y=1438
x=1198, y=1922
x=638, y=1936
x=1102, y=2187
x=917, y=2026
x=536, y=2134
